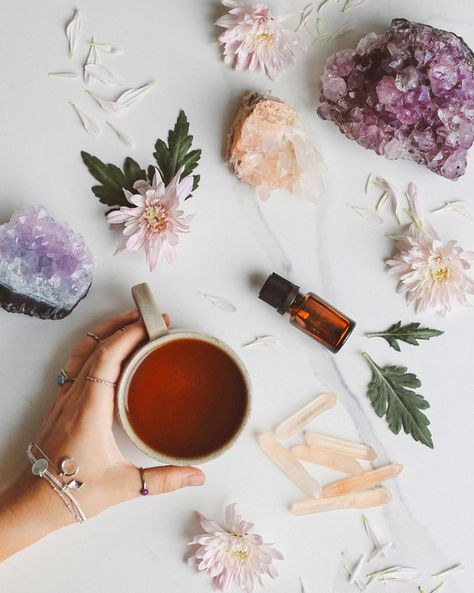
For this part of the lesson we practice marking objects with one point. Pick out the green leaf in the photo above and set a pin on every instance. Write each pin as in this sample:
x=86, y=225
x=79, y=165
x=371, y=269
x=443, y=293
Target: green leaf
x=112, y=179
x=391, y=392
x=409, y=333
x=176, y=154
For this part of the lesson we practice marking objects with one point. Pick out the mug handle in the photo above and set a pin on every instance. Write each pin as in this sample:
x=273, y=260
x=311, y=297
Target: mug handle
x=149, y=310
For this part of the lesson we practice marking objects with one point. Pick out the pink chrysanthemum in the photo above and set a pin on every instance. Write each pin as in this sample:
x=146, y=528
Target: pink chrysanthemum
x=432, y=274
x=255, y=39
x=154, y=219
x=233, y=554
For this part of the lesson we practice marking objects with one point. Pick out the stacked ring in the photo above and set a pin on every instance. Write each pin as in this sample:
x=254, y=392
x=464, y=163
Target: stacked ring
x=101, y=381
x=94, y=337
x=64, y=378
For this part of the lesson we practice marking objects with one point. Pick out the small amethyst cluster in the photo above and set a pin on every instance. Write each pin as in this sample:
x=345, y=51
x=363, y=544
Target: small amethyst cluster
x=408, y=93
x=45, y=268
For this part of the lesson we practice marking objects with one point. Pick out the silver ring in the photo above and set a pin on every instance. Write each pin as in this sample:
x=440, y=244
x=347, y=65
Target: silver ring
x=63, y=471
x=64, y=378
x=94, y=337
x=95, y=380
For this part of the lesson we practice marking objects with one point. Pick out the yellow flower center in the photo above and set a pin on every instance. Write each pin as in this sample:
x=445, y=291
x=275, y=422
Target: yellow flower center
x=439, y=269
x=263, y=37
x=156, y=217
x=239, y=554
x=236, y=552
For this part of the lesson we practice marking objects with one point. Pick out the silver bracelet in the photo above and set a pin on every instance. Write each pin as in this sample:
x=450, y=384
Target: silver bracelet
x=40, y=467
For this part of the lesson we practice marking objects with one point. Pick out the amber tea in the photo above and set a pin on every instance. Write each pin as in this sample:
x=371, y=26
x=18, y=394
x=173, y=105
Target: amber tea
x=187, y=398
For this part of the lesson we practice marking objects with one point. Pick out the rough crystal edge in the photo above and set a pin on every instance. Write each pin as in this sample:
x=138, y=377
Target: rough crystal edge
x=14, y=302
x=399, y=24
x=402, y=21
x=247, y=105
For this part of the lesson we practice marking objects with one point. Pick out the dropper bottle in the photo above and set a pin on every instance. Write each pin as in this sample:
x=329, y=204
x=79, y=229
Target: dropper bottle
x=308, y=312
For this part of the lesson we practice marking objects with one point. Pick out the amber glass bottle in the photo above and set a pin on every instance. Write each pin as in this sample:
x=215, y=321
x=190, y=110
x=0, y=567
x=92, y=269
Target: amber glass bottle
x=308, y=312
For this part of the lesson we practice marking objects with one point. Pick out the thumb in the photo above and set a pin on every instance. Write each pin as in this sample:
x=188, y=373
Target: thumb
x=171, y=477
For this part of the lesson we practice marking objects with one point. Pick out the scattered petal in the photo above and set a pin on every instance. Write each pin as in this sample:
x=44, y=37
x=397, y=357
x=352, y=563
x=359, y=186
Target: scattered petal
x=383, y=201
x=219, y=302
x=391, y=193
x=101, y=74
x=63, y=74
x=121, y=135
x=92, y=58
x=346, y=28
x=130, y=97
x=380, y=547
x=268, y=341
x=350, y=4
x=121, y=105
x=73, y=32
x=369, y=215
x=357, y=581
x=371, y=532
x=447, y=570
x=305, y=14
x=415, y=210
x=89, y=124
x=303, y=588
x=105, y=47
x=110, y=106
x=460, y=206
x=323, y=3
x=380, y=551
x=357, y=569
x=396, y=573
x=368, y=182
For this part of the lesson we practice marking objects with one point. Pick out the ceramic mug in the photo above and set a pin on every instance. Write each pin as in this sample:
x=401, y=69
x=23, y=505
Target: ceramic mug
x=159, y=334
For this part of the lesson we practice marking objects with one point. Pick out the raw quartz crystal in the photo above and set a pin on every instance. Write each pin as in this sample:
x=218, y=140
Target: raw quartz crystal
x=45, y=268
x=269, y=149
x=408, y=93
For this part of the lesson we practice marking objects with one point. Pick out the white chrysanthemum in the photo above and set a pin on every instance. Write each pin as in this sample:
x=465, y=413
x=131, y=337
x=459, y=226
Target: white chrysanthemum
x=233, y=554
x=255, y=39
x=432, y=274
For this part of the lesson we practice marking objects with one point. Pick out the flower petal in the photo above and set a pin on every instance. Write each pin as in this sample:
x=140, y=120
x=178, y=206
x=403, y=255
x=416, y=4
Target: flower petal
x=98, y=72
x=73, y=32
x=121, y=135
x=90, y=126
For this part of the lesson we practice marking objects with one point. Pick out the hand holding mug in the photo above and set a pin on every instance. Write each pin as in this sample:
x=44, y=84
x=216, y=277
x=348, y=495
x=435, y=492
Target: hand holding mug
x=79, y=426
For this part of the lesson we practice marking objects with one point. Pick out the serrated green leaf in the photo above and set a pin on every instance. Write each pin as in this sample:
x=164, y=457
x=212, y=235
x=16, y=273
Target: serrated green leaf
x=391, y=392
x=132, y=172
x=113, y=180
x=176, y=154
x=151, y=173
x=409, y=333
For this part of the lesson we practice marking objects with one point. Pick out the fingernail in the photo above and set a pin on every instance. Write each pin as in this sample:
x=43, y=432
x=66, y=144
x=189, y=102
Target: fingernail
x=194, y=480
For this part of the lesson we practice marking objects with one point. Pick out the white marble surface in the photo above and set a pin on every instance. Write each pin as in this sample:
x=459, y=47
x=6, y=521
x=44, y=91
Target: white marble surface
x=142, y=546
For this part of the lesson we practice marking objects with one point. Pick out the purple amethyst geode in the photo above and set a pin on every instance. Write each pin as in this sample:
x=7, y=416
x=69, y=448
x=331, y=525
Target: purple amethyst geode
x=407, y=94
x=45, y=268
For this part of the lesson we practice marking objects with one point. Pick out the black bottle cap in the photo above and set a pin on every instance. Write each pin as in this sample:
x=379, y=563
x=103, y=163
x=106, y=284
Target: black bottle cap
x=278, y=292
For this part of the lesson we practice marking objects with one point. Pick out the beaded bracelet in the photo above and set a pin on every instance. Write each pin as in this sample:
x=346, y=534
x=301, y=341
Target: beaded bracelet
x=40, y=468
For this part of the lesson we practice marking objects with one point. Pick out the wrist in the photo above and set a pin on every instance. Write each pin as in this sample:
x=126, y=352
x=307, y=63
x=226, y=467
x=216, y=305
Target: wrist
x=29, y=510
